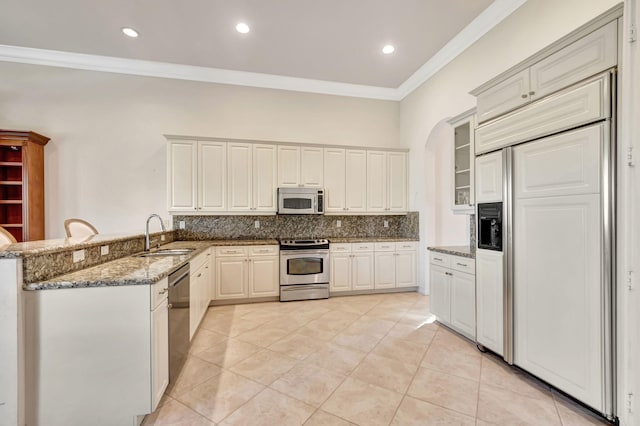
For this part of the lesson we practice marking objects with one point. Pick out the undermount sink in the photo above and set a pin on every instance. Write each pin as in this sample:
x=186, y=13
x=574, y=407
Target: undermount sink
x=165, y=252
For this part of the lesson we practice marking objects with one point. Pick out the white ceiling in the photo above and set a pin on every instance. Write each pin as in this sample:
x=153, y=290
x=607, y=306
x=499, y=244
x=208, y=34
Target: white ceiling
x=335, y=41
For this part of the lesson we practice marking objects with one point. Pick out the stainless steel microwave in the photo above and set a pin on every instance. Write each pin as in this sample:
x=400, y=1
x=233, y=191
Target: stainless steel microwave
x=300, y=201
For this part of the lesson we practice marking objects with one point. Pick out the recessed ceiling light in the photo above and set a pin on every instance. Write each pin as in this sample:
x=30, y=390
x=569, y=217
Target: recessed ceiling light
x=242, y=28
x=130, y=32
x=388, y=49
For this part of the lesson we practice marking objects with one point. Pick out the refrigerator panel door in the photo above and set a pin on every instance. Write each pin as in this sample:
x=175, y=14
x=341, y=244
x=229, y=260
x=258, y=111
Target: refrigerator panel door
x=557, y=293
x=566, y=164
x=489, y=300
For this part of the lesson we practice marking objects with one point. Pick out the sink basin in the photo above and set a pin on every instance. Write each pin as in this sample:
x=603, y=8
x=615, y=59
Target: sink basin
x=165, y=252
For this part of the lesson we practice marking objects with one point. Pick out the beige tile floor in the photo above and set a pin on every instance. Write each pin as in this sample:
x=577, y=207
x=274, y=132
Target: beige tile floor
x=363, y=360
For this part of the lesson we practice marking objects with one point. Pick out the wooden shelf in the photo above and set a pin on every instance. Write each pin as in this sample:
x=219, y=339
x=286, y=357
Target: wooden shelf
x=457, y=172
x=463, y=146
x=464, y=187
x=10, y=201
x=11, y=163
x=11, y=225
x=11, y=182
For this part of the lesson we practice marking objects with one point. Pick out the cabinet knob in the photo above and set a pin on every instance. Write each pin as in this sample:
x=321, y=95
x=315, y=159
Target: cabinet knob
x=532, y=93
x=524, y=96
x=169, y=306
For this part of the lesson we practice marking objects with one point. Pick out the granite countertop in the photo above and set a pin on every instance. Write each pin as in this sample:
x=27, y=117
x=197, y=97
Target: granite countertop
x=369, y=240
x=132, y=270
x=463, y=251
x=31, y=248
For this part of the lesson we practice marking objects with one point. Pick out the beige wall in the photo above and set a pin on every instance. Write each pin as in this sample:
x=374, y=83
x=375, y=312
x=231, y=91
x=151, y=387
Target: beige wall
x=106, y=159
x=532, y=27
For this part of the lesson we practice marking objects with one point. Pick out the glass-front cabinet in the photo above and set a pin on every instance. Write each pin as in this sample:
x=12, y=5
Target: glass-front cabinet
x=463, y=173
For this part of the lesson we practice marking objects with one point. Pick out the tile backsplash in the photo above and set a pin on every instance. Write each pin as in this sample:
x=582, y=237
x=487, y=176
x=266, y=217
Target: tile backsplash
x=296, y=226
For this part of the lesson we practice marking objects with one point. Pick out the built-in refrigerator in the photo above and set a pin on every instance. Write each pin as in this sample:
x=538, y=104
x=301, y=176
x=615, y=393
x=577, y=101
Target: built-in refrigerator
x=544, y=297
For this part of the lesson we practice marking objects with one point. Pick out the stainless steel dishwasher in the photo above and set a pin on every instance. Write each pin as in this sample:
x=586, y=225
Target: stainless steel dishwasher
x=178, y=320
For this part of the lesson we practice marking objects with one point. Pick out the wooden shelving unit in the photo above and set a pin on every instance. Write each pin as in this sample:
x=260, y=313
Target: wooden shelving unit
x=22, y=184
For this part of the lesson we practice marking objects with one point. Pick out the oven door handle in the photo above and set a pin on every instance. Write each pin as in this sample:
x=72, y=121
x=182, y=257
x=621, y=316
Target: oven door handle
x=303, y=287
x=298, y=253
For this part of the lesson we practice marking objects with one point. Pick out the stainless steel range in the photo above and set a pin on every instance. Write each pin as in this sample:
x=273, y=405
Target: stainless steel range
x=304, y=269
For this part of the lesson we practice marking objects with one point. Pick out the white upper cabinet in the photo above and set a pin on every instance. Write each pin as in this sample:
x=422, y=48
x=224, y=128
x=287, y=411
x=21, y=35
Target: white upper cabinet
x=239, y=176
x=182, y=175
x=489, y=178
x=264, y=178
x=356, y=180
x=386, y=181
x=288, y=165
x=212, y=176
x=300, y=166
x=463, y=163
x=504, y=96
x=252, y=177
x=217, y=177
x=334, y=179
x=581, y=59
x=312, y=170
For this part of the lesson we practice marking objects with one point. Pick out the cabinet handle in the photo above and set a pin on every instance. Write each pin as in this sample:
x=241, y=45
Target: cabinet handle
x=169, y=306
x=532, y=93
x=524, y=96
x=164, y=290
x=438, y=259
x=461, y=264
x=199, y=275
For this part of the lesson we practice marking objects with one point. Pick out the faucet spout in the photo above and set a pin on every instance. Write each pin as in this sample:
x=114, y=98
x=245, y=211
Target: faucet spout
x=147, y=244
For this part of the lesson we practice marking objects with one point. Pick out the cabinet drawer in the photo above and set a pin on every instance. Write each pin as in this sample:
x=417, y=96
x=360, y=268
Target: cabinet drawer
x=263, y=251
x=340, y=248
x=232, y=251
x=360, y=247
x=406, y=245
x=463, y=264
x=440, y=259
x=159, y=292
x=197, y=262
x=385, y=246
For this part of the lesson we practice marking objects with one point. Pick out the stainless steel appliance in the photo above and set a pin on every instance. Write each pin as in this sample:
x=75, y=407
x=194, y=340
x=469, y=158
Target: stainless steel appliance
x=490, y=226
x=300, y=201
x=178, y=320
x=304, y=269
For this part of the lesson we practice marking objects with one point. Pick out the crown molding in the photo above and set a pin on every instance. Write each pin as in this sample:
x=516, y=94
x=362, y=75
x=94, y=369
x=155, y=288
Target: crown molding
x=483, y=23
x=83, y=61
x=490, y=17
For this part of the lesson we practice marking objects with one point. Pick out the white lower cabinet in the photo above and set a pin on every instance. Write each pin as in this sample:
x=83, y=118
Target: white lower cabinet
x=243, y=272
x=159, y=351
x=351, y=267
x=395, y=265
x=453, y=292
x=368, y=266
x=199, y=291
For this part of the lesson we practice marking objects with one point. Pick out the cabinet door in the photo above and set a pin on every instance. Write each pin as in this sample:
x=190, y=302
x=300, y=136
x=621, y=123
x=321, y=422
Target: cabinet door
x=197, y=293
x=463, y=303
x=182, y=175
x=239, y=176
x=334, y=179
x=406, y=268
x=159, y=352
x=264, y=278
x=463, y=166
x=489, y=178
x=264, y=178
x=231, y=277
x=504, y=96
x=376, y=181
x=440, y=293
x=489, y=303
x=356, y=180
x=311, y=169
x=588, y=56
x=212, y=176
x=340, y=272
x=397, y=182
x=288, y=165
x=385, y=270
x=362, y=271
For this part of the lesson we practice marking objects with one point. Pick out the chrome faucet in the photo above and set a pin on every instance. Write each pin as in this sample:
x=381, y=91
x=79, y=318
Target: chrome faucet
x=147, y=243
